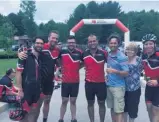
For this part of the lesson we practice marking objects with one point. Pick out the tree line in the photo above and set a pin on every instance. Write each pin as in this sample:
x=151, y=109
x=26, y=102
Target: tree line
x=23, y=23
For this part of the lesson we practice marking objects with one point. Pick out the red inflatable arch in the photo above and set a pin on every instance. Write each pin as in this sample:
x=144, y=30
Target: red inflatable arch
x=117, y=22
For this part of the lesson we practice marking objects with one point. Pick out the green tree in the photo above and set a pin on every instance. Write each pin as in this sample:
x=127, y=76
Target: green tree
x=7, y=31
x=108, y=10
x=141, y=23
x=28, y=9
x=45, y=29
x=16, y=20
x=62, y=28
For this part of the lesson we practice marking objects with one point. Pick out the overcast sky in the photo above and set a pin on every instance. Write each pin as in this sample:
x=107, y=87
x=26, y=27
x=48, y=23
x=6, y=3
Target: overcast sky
x=59, y=10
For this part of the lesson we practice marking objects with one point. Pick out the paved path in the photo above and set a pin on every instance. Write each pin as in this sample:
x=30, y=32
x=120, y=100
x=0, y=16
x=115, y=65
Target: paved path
x=82, y=114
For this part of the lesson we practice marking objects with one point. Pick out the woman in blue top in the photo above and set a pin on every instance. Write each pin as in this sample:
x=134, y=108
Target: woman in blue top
x=133, y=88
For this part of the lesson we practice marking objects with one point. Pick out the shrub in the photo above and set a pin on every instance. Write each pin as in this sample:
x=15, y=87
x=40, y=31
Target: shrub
x=8, y=54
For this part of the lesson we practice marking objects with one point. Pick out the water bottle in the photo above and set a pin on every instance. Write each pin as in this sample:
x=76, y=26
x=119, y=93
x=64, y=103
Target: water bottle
x=148, y=79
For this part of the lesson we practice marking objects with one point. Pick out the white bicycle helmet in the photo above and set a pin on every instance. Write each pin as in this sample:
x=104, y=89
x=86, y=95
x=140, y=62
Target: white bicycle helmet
x=149, y=37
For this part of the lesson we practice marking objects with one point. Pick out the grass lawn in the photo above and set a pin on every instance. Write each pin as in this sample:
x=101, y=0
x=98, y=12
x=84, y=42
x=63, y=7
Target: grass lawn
x=5, y=64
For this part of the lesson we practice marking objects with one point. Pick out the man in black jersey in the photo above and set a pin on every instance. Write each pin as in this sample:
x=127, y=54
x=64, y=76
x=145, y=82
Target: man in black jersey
x=28, y=80
x=48, y=60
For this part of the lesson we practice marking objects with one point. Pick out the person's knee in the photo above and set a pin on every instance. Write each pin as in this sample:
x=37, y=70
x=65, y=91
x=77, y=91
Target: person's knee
x=65, y=101
x=46, y=105
x=149, y=106
x=90, y=103
x=38, y=111
x=155, y=110
x=119, y=105
x=101, y=103
x=73, y=101
x=47, y=101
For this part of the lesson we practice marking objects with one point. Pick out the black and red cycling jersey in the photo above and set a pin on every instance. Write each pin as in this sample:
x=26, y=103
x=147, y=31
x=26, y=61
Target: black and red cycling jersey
x=95, y=65
x=151, y=66
x=70, y=62
x=54, y=53
x=30, y=68
x=48, y=58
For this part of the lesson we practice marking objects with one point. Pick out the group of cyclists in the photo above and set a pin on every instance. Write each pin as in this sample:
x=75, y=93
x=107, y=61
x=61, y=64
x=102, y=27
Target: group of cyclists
x=118, y=85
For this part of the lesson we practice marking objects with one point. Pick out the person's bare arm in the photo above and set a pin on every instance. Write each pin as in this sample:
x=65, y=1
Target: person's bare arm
x=19, y=83
x=19, y=79
x=14, y=93
x=20, y=68
x=122, y=73
x=15, y=88
x=153, y=82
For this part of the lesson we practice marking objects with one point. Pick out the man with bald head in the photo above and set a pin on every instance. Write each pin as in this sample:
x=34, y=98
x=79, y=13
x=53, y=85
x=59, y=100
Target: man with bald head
x=94, y=60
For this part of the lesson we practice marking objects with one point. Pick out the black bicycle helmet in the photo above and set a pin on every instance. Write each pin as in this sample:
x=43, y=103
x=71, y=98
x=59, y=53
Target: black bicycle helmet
x=149, y=37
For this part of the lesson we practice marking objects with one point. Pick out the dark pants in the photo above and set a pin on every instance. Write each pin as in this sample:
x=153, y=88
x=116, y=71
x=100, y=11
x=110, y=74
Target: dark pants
x=132, y=99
